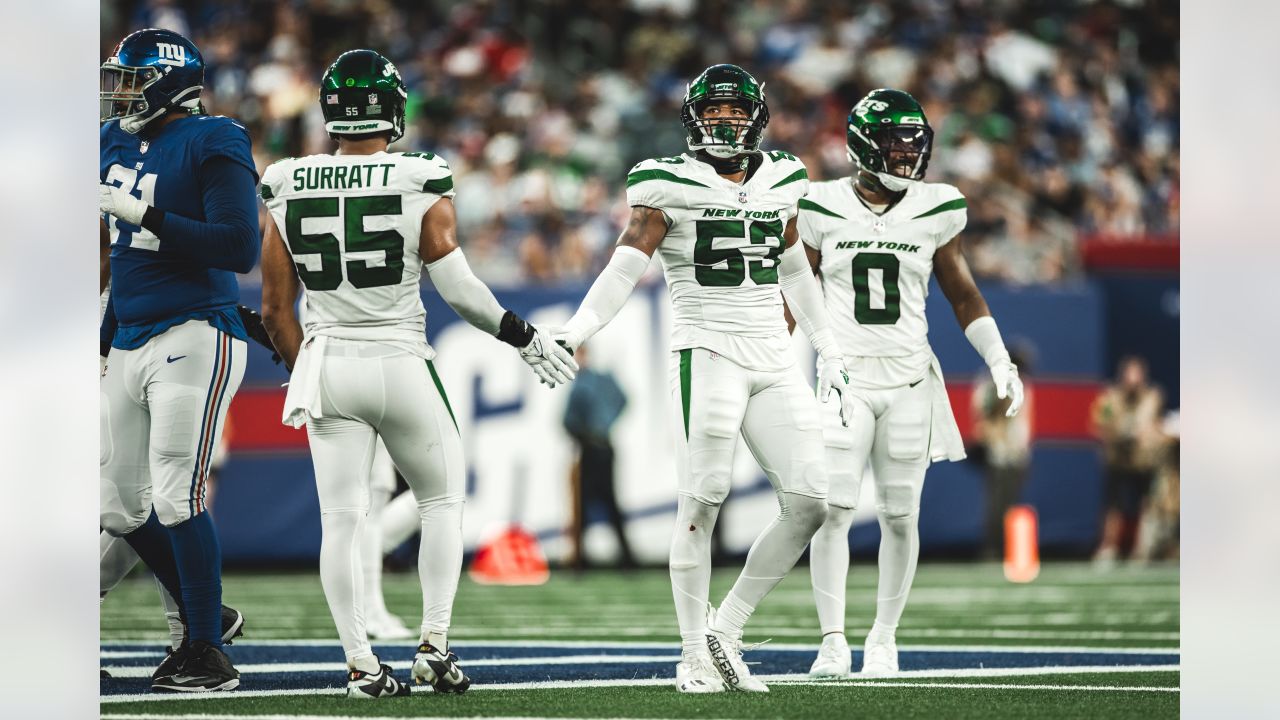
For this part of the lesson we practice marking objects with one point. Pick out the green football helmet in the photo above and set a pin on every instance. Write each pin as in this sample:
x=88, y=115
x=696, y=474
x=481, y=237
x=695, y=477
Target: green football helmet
x=725, y=137
x=362, y=93
x=889, y=137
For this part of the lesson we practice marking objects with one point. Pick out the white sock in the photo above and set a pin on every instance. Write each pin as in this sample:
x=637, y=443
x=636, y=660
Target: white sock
x=899, y=550
x=365, y=663
x=771, y=557
x=172, y=616
x=400, y=520
x=342, y=578
x=115, y=560
x=439, y=563
x=829, y=568
x=690, y=565
x=375, y=606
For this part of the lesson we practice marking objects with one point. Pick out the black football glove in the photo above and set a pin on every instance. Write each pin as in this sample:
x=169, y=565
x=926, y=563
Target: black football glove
x=253, y=325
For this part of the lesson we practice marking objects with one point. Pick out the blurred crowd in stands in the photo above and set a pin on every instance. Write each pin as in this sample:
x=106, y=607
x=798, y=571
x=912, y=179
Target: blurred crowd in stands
x=1058, y=119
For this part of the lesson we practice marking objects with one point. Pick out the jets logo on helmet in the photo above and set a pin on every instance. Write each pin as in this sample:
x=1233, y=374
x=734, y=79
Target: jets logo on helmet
x=725, y=137
x=151, y=72
x=363, y=93
x=890, y=137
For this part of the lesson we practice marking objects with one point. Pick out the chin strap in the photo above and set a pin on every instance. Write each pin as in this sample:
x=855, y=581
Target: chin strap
x=724, y=166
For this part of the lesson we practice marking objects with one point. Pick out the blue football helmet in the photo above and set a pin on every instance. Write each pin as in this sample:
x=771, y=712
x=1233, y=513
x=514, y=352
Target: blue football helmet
x=149, y=73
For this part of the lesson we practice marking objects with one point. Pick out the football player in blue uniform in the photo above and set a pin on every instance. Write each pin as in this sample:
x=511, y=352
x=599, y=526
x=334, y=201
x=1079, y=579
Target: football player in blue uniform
x=178, y=196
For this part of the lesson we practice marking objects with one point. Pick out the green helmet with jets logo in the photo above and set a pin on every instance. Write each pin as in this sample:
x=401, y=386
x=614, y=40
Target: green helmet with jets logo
x=725, y=137
x=362, y=93
x=889, y=137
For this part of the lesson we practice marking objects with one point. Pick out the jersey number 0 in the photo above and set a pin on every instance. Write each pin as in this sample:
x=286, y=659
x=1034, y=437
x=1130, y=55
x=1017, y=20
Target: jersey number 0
x=355, y=239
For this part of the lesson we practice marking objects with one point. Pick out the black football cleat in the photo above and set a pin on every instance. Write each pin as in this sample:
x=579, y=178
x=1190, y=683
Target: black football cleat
x=204, y=669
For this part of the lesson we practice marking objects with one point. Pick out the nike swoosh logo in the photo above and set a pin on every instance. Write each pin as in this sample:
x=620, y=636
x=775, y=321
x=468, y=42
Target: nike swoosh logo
x=175, y=359
x=911, y=385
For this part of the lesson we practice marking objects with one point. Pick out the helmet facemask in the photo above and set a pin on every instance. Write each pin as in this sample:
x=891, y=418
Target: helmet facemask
x=728, y=134
x=889, y=138
x=725, y=135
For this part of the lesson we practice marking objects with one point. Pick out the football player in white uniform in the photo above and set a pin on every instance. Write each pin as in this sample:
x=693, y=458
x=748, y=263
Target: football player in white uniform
x=875, y=238
x=722, y=218
x=352, y=231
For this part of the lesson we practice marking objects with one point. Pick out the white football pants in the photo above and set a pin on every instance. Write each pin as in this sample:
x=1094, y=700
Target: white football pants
x=890, y=427
x=715, y=399
x=369, y=390
x=163, y=407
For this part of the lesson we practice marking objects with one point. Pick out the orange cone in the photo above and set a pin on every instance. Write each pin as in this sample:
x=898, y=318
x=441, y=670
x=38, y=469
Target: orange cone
x=512, y=558
x=1021, y=544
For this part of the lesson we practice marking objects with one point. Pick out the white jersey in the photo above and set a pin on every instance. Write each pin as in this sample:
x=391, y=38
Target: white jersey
x=721, y=252
x=875, y=272
x=352, y=224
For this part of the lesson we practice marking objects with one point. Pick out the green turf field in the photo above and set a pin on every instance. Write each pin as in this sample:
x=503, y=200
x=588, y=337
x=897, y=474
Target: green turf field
x=1074, y=643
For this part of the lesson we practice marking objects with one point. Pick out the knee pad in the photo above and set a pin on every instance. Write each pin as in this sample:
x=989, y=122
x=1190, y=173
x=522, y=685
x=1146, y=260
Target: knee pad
x=806, y=512
x=117, y=517
x=691, y=539
x=839, y=519
x=898, y=501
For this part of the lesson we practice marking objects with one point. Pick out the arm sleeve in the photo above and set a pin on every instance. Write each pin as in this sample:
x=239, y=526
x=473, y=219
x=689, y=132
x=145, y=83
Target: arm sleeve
x=984, y=336
x=107, y=330
x=608, y=293
x=229, y=239
x=470, y=298
x=804, y=297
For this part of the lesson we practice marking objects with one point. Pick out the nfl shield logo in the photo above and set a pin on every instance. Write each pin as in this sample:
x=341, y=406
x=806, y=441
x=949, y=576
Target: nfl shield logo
x=373, y=98
x=142, y=148
x=742, y=196
x=331, y=99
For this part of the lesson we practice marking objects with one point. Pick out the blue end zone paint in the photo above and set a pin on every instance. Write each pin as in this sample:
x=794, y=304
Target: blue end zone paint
x=771, y=662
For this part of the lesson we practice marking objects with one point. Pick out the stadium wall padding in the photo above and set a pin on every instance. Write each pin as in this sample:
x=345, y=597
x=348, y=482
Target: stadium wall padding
x=519, y=457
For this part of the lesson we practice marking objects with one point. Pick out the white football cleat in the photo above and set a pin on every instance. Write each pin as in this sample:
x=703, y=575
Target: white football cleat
x=879, y=658
x=438, y=669
x=726, y=657
x=834, y=659
x=371, y=686
x=387, y=627
x=697, y=674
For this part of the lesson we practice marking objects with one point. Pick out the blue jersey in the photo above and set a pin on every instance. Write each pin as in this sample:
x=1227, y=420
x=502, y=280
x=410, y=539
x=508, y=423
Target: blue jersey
x=154, y=285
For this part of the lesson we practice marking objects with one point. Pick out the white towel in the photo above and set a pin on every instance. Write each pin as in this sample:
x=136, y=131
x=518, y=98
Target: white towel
x=944, y=439
x=302, y=400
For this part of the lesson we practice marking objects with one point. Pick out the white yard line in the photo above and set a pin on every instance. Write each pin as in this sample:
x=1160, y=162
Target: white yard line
x=664, y=645
x=341, y=667
x=638, y=682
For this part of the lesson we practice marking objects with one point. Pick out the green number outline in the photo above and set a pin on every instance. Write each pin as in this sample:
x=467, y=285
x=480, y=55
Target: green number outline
x=863, y=263
x=329, y=247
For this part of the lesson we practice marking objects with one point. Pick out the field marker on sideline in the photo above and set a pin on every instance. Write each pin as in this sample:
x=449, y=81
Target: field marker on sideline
x=792, y=678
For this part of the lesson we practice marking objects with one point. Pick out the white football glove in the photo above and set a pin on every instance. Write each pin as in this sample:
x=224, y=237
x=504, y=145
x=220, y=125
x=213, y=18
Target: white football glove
x=550, y=362
x=833, y=376
x=115, y=201
x=1008, y=385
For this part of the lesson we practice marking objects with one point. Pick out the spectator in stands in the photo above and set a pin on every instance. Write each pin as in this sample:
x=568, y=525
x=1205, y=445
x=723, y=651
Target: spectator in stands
x=1063, y=123
x=1004, y=448
x=595, y=402
x=1126, y=417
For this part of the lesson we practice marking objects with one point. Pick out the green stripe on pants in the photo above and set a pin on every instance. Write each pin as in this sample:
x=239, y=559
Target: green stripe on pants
x=686, y=361
x=440, y=388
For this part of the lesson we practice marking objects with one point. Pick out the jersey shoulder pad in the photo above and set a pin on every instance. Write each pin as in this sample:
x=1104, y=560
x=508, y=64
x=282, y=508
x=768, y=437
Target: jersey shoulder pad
x=825, y=199
x=659, y=182
x=786, y=173
x=427, y=172
x=272, y=178
x=946, y=206
x=221, y=136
